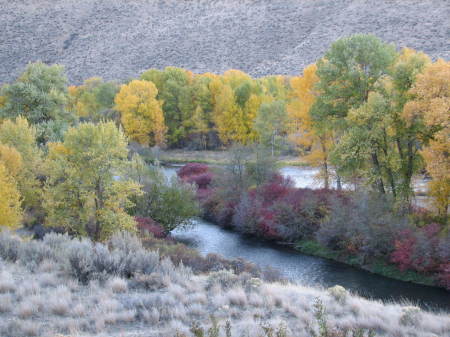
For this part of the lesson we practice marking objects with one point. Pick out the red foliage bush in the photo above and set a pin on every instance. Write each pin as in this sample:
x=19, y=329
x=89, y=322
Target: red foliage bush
x=404, y=248
x=444, y=275
x=201, y=180
x=192, y=169
x=151, y=226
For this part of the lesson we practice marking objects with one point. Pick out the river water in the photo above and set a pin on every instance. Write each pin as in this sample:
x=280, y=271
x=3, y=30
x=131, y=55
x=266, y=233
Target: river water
x=305, y=269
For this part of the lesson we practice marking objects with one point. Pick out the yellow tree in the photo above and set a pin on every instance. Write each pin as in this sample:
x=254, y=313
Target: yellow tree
x=303, y=131
x=21, y=155
x=10, y=211
x=432, y=104
x=227, y=115
x=11, y=159
x=141, y=112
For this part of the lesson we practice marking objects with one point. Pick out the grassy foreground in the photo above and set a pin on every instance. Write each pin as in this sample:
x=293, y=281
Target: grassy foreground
x=67, y=287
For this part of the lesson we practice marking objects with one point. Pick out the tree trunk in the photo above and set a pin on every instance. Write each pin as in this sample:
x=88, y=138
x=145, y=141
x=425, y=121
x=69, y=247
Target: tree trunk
x=326, y=175
x=376, y=163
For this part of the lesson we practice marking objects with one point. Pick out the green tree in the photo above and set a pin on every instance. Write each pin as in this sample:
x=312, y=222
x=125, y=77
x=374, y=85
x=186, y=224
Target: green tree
x=347, y=74
x=271, y=123
x=39, y=94
x=170, y=202
x=175, y=91
x=94, y=100
x=86, y=192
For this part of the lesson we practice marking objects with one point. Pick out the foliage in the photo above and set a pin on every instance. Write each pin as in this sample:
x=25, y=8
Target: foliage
x=310, y=136
x=270, y=124
x=39, y=94
x=10, y=209
x=432, y=104
x=141, y=113
x=92, y=100
x=22, y=157
x=85, y=192
x=169, y=202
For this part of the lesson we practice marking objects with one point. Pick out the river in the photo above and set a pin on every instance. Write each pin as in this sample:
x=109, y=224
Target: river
x=305, y=269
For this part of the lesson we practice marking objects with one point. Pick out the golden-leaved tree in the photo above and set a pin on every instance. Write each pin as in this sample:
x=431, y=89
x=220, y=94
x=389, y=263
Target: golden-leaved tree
x=21, y=156
x=432, y=104
x=86, y=191
x=302, y=130
x=10, y=210
x=141, y=113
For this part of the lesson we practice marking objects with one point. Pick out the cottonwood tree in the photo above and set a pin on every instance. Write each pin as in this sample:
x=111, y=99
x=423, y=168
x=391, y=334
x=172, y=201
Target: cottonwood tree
x=347, y=74
x=175, y=92
x=141, y=114
x=431, y=104
x=313, y=138
x=10, y=210
x=85, y=192
x=39, y=95
x=92, y=100
x=271, y=124
x=22, y=156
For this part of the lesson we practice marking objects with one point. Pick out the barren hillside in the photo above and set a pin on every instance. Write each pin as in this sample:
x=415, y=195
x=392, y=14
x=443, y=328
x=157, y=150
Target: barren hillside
x=117, y=39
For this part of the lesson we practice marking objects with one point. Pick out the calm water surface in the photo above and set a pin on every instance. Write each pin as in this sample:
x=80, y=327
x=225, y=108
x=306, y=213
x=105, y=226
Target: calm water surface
x=304, y=269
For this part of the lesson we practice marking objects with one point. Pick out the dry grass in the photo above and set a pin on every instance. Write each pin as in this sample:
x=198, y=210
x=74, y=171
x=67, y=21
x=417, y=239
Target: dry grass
x=113, y=305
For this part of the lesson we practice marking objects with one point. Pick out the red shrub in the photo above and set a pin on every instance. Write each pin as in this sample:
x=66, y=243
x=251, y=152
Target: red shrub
x=192, y=169
x=277, y=188
x=404, y=249
x=444, y=275
x=150, y=226
x=202, y=180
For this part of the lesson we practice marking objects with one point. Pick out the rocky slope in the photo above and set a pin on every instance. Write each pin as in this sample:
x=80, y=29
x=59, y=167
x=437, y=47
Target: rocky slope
x=118, y=39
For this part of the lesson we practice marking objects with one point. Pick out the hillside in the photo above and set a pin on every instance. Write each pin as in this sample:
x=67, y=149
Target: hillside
x=119, y=39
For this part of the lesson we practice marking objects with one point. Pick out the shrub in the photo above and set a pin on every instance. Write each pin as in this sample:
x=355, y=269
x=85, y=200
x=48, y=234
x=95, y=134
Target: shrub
x=202, y=180
x=148, y=225
x=192, y=169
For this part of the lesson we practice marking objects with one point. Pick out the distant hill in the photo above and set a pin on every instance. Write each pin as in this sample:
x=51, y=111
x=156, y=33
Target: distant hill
x=117, y=39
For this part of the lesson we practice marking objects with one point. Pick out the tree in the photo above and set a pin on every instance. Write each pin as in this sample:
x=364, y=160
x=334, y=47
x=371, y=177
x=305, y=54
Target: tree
x=85, y=191
x=92, y=100
x=175, y=91
x=308, y=135
x=170, y=202
x=141, y=112
x=431, y=104
x=271, y=123
x=39, y=94
x=22, y=157
x=347, y=74
x=10, y=210
x=378, y=143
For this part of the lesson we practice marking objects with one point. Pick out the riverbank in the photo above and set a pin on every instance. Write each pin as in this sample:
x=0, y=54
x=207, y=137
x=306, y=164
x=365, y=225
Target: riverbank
x=215, y=158
x=360, y=230
x=378, y=267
